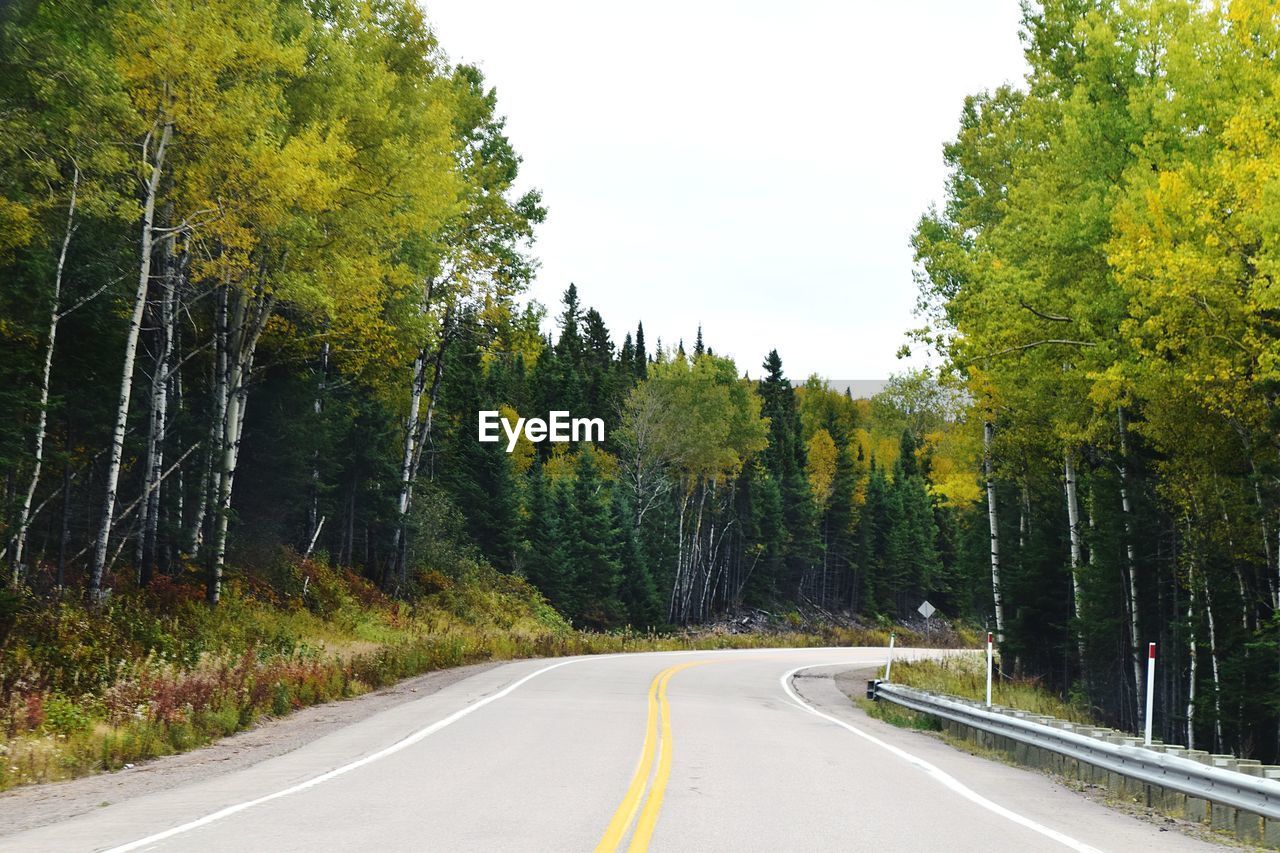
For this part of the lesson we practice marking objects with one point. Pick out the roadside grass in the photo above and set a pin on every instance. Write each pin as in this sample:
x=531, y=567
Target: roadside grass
x=155, y=672
x=966, y=676
x=896, y=715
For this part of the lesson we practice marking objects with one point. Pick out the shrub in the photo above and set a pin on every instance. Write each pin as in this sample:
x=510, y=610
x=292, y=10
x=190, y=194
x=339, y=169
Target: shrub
x=64, y=717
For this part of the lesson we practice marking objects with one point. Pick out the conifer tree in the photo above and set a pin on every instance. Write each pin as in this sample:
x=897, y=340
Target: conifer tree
x=642, y=355
x=593, y=548
x=637, y=591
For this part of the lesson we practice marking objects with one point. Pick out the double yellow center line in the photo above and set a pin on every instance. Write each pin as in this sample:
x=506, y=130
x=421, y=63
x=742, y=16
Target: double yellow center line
x=654, y=747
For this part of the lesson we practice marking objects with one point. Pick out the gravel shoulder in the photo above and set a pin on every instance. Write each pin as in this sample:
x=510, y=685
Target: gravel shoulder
x=39, y=805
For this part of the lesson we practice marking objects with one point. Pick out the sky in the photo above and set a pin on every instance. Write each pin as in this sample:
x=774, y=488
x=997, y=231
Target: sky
x=756, y=168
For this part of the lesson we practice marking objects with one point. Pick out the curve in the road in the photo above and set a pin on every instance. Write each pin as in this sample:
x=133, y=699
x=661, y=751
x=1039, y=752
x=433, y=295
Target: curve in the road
x=725, y=710
x=655, y=745
x=934, y=772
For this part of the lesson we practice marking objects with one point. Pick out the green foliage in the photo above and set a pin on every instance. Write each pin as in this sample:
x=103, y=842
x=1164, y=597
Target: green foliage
x=1100, y=277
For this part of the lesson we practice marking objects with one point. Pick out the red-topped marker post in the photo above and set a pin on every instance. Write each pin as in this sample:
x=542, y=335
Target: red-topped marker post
x=1151, y=689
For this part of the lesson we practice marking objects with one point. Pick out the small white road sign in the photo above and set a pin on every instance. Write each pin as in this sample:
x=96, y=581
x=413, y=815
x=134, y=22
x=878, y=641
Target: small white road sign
x=927, y=609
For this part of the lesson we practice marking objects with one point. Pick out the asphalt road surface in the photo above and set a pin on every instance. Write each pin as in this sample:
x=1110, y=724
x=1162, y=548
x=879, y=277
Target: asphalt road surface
x=698, y=751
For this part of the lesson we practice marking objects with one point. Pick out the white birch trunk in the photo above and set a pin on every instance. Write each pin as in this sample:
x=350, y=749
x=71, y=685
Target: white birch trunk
x=1213, y=661
x=42, y=418
x=672, y=610
x=988, y=431
x=208, y=477
x=160, y=423
x=411, y=426
x=1073, y=522
x=1266, y=535
x=249, y=318
x=1024, y=518
x=126, y=381
x=317, y=408
x=1131, y=566
x=180, y=487
x=1191, y=676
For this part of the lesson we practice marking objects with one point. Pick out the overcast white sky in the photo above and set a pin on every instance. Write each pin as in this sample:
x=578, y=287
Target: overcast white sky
x=754, y=167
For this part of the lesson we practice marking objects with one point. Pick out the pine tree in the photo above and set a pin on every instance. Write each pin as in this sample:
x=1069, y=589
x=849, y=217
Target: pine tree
x=552, y=528
x=627, y=357
x=642, y=356
x=785, y=458
x=839, y=521
x=873, y=532
x=593, y=548
x=599, y=375
x=638, y=592
x=907, y=447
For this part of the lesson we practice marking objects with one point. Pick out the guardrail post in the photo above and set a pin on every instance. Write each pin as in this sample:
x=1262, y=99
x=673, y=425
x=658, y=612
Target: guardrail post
x=1197, y=809
x=1249, y=826
x=1174, y=802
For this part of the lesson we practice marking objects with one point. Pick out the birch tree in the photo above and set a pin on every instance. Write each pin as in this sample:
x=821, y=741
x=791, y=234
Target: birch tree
x=479, y=258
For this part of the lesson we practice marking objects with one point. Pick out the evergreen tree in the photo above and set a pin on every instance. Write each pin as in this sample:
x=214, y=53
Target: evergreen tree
x=839, y=522
x=873, y=535
x=600, y=375
x=552, y=528
x=642, y=356
x=627, y=357
x=907, y=448
x=638, y=592
x=785, y=458
x=593, y=548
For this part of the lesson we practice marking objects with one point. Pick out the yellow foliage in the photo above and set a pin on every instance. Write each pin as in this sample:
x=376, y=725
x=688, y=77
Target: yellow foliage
x=522, y=455
x=821, y=466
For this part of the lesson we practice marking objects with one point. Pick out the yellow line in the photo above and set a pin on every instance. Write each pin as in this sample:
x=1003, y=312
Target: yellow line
x=649, y=817
x=631, y=801
x=658, y=707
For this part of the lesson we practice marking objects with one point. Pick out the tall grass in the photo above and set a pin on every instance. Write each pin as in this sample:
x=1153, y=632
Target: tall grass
x=966, y=676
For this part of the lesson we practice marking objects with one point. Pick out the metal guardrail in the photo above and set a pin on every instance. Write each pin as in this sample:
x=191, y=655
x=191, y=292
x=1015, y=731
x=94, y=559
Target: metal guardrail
x=1214, y=784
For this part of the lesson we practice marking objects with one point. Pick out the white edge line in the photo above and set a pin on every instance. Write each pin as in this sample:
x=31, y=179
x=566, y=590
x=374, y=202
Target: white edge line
x=931, y=770
x=427, y=731
x=407, y=741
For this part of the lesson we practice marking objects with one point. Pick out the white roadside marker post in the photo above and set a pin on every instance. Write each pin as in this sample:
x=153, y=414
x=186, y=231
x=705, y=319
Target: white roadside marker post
x=888, y=665
x=1151, y=689
x=989, y=667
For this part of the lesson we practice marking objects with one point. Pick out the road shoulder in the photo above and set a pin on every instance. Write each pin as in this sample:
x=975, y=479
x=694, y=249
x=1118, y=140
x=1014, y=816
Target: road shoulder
x=35, y=806
x=852, y=685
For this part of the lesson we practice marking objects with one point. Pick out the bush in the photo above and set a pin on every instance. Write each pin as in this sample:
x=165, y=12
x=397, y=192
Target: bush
x=64, y=717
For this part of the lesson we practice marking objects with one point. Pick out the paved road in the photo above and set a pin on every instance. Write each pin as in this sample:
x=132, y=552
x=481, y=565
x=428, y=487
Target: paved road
x=697, y=751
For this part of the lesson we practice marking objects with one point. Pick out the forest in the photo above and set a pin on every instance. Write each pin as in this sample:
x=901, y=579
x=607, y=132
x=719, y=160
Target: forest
x=1101, y=277
x=264, y=261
